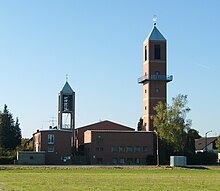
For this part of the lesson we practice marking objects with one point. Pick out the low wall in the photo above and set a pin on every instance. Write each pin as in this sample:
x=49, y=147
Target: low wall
x=30, y=157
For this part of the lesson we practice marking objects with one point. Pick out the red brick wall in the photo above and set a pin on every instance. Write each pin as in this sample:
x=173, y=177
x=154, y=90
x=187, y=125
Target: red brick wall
x=99, y=150
x=104, y=125
x=61, y=145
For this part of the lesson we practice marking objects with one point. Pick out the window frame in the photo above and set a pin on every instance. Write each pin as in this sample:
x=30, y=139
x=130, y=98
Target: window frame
x=50, y=139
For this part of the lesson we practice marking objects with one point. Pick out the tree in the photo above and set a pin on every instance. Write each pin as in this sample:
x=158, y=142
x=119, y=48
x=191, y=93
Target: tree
x=194, y=134
x=218, y=143
x=140, y=125
x=17, y=133
x=26, y=144
x=10, y=132
x=171, y=124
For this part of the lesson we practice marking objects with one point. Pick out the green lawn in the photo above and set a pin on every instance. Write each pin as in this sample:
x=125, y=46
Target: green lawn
x=108, y=179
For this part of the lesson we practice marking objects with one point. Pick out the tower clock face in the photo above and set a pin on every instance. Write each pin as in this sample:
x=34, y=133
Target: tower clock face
x=67, y=103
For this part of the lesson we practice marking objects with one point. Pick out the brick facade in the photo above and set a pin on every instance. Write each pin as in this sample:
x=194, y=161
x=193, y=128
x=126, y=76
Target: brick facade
x=56, y=144
x=118, y=147
x=100, y=143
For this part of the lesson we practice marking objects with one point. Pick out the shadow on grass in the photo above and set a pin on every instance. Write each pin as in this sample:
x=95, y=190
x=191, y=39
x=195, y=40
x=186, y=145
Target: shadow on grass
x=196, y=167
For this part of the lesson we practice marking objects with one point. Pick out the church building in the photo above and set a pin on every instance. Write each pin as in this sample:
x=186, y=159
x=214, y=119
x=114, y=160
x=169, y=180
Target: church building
x=107, y=142
x=104, y=142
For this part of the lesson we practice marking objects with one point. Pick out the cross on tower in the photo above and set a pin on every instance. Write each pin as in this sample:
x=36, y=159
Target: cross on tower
x=66, y=77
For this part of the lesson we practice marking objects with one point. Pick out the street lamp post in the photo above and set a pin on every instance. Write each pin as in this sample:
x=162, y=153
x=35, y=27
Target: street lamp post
x=157, y=151
x=206, y=139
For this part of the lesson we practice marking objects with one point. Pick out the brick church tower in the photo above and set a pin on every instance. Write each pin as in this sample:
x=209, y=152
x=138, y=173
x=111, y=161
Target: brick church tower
x=154, y=77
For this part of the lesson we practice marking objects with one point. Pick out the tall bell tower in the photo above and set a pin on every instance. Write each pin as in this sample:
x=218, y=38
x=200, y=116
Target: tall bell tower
x=154, y=77
x=66, y=108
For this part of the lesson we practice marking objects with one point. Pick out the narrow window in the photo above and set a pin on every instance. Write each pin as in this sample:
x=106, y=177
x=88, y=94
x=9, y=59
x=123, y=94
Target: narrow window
x=157, y=90
x=130, y=149
x=114, y=161
x=157, y=73
x=99, y=149
x=145, y=53
x=157, y=51
x=50, y=139
x=50, y=149
x=137, y=160
x=115, y=149
x=121, y=149
x=137, y=149
x=145, y=149
x=122, y=160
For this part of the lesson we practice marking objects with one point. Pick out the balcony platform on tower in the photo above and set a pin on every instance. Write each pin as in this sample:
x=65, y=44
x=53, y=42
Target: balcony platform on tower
x=148, y=78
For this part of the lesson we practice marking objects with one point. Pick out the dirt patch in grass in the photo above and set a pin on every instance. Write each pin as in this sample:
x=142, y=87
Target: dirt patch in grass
x=87, y=167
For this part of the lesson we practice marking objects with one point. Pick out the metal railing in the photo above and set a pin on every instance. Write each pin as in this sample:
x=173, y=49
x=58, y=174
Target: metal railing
x=145, y=78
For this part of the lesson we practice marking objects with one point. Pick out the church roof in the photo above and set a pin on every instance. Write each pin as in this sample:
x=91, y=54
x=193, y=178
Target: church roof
x=106, y=125
x=67, y=89
x=155, y=35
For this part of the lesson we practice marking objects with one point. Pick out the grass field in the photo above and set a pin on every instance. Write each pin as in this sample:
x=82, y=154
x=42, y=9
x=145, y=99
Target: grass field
x=108, y=178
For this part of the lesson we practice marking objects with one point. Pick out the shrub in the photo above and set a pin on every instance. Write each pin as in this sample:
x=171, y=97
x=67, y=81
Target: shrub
x=205, y=158
x=7, y=159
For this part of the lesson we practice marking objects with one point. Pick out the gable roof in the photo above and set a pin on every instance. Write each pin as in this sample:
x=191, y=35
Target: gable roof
x=200, y=144
x=105, y=125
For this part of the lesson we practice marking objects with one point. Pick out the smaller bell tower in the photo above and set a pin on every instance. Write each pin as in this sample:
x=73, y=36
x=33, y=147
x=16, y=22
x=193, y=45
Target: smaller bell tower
x=66, y=108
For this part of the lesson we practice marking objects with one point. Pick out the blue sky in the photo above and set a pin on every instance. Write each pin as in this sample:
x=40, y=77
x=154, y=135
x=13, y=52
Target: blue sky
x=99, y=45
